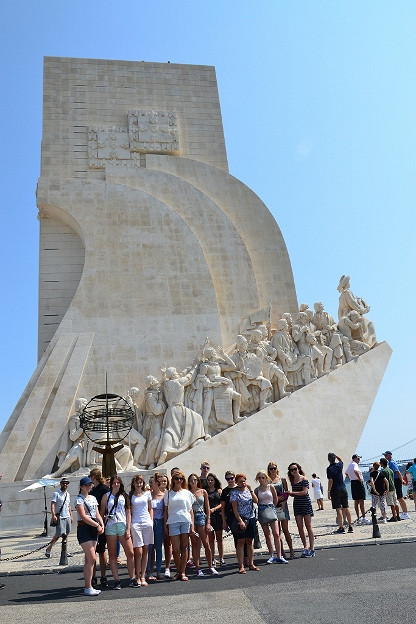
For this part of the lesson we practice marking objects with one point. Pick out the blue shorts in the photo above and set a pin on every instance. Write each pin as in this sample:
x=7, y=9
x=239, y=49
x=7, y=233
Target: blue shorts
x=178, y=528
x=117, y=528
x=200, y=519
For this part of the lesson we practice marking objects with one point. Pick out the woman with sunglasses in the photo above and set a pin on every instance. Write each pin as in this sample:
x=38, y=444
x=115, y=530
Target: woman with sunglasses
x=141, y=525
x=202, y=523
x=267, y=498
x=227, y=513
x=280, y=485
x=115, y=508
x=243, y=526
x=302, y=506
x=159, y=486
x=179, y=521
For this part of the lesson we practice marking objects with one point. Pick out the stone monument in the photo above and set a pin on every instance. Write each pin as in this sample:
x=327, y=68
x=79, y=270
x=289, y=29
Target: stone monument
x=162, y=270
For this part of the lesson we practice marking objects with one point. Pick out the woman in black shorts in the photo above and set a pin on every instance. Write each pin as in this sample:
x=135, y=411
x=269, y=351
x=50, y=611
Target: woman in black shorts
x=90, y=525
x=214, y=498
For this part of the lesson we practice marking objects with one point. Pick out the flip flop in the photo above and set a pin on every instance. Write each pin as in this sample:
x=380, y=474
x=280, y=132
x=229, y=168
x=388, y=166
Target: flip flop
x=254, y=567
x=242, y=571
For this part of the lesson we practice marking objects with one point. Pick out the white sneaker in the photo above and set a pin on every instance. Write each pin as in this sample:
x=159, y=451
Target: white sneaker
x=271, y=560
x=359, y=520
x=365, y=521
x=281, y=560
x=167, y=573
x=213, y=571
x=404, y=515
x=384, y=520
x=90, y=591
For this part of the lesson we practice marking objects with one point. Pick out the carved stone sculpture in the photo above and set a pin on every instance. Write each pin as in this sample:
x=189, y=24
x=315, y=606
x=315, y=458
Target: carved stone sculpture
x=249, y=367
x=298, y=368
x=271, y=369
x=154, y=410
x=347, y=302
x=182, y=427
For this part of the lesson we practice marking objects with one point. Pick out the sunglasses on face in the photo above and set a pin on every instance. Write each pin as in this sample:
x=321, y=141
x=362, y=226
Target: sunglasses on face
x=273, y=468
x=293, y=469
x=229, y=478
x=178, y=478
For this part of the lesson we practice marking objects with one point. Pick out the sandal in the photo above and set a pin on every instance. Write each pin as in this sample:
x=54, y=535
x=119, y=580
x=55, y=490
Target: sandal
x=292, y=556
x=143, y=582
x=177, y=577
x=242, y=571
x=183, y=577
x=254, y=567
x=151, y=578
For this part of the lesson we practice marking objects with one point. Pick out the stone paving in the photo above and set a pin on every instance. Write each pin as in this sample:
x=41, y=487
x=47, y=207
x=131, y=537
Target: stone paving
x=22, y=542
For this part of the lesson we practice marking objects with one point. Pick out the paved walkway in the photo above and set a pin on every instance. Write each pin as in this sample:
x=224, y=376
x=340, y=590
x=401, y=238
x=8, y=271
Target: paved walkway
x=15, y=544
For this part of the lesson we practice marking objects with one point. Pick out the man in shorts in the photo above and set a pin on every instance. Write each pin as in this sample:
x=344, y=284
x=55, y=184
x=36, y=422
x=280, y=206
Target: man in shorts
x=61, y=513
x=337, y=492
x=398, y=484
x=98, y=490
x=391, y=496
x=355, y=475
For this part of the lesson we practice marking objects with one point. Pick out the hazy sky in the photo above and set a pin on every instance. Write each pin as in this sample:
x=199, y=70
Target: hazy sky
x=319, y=111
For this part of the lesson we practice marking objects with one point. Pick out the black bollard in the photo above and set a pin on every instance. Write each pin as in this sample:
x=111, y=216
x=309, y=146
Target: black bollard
x=376, y=530
x=63, y=561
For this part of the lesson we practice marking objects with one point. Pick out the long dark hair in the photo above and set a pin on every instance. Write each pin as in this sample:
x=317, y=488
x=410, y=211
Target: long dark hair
x=217, y=483
x=289, y=474
x=121, y=492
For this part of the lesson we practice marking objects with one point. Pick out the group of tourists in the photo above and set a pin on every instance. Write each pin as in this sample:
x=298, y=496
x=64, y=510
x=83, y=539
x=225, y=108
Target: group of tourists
x=172, y=518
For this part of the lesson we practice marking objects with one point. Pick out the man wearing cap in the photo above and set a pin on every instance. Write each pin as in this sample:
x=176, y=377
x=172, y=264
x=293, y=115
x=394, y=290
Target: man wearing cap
x=337, y=492
x=398, y=482
x=61, y=513
x=355, y=475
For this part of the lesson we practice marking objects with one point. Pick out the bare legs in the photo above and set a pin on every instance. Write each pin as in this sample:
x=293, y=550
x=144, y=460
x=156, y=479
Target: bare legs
x=180, y=553
x=89, y=551
x=216, y=535
x=196, y=547
x=274, y=526
x=112, y=554
x=140, y=563
x=284, y=524
x=248, y=542
x=307, y=520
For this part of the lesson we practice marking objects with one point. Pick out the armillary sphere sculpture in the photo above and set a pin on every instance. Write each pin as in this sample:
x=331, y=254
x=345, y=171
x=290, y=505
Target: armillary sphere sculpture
x=111, y=416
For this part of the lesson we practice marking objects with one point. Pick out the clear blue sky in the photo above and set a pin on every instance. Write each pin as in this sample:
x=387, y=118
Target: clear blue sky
x=319, y=111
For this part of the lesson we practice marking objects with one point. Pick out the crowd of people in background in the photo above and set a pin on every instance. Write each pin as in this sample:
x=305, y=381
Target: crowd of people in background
x=172, y=517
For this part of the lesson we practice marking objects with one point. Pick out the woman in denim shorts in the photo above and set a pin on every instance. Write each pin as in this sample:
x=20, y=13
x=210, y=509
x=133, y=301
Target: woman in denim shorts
x=115, y=508
x=179, y=521
x=202, y=522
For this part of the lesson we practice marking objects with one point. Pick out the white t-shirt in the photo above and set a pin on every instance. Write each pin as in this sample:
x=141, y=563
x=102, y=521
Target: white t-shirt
x=352, y=466
x=61, y=507
x=118, y=513
x=179, y=505
x=140, y=509
x=90, y=505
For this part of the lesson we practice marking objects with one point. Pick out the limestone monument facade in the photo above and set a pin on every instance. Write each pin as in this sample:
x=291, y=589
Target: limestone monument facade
x=167, y=273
